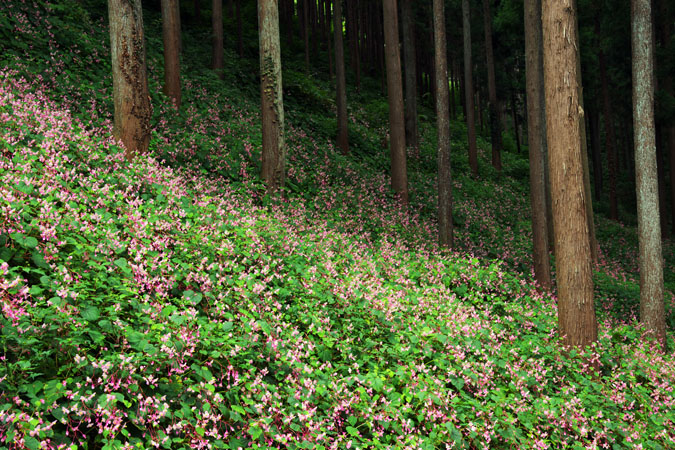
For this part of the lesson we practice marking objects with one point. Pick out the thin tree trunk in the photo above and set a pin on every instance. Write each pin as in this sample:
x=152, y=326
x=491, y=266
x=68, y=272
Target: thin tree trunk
x=341, y=85
x=131, y=99
x=468, y=88
x=331, y=70
x=410, y=75
x=495, y=126
x=171, y=40
x=594, y=128
x=271, y=94
x=399, y=176
x=305, y=34
x=652, y=308
x=576, y=313
x=240, y=35
x=197, y=9
x=534, y=70
x=443, y=125
x=610, y=142
x=217, y=27
x=516, y=122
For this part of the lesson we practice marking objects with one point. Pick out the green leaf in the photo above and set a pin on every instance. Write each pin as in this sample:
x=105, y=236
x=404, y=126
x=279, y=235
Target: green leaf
x=31, y=442
x=91, y=313
x=255, y=432
x=25, y=241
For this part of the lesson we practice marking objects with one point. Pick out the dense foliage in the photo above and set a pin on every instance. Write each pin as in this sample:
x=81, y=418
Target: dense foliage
x=168, y=303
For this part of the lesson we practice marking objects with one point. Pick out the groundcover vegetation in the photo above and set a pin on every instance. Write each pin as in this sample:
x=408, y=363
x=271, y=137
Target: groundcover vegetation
x=168, y=303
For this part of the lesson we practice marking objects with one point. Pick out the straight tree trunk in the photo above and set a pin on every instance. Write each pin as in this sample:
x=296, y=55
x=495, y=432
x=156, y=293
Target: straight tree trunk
x=534, y=71
x=131, y=99
x=240, y=35
x=576, y=312
x=331, y=67
x=516, y=122
x=305, y=27
x=217, y=27
x=410, y=75
x=443, y=125
x=584, y=159
x=468, y=88
x=271, y=94
x=197, y=8
x=495, y=126
x=652, y=308
x=594, y=128
x=399, y=176
x=341, y=85
x=171, y=39
x=610, y=142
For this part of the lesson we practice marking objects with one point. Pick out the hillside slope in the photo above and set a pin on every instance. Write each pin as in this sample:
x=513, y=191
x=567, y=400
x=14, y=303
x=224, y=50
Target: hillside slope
x=168, y=303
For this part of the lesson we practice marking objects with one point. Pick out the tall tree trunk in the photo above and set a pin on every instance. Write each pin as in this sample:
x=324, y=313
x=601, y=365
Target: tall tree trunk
x=443, y=125
x=131, y=99
x=594, y=129
x=313, y=20
x=197, y=9
x=516, y=122
x=495, y=126
x=353, y=37
x=410, y=75
x=271, y=94
x=468, y=88
x=652, y=308
x=584, y=160
x=399, y=175
x=534, y=71
x=610, y=142
x=305, y=27
x=341, y=85
x=240, y=35
x=576, y=311
x=331, y=70
x=171, y=40
x=217, y=32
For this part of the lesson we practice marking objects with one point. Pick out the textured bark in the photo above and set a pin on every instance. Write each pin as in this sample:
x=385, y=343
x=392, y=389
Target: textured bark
x=443, y=125
x=584, y=160
x=340, y=83
x=610, y=142
x=217, y=31
x=409, y=58
x=652, y=308
x=534, y=71
x=468, y=88
x=399, y=176
x=274, y=148
x=131, y=99
x=495, y=125
x=171, y=39
x=576, y=312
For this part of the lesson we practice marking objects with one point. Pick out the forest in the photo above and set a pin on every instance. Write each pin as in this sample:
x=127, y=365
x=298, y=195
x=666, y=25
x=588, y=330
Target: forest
x=337, y=224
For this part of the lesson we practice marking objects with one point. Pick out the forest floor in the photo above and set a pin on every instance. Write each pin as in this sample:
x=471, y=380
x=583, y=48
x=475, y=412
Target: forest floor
x=169, y=303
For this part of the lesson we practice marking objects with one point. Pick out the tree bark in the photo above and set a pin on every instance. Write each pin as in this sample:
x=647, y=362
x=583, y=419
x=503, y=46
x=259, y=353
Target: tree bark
x=443, y=125
x=534, y=71
x=468, y=88
x=131, y=99
x=495, y=125
x=171, y=39
x=652, y=308
x=576, y=312
x=271, y=94
x=410, y=75
x=399, y=176
x=341, y=85
x=217, y=26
